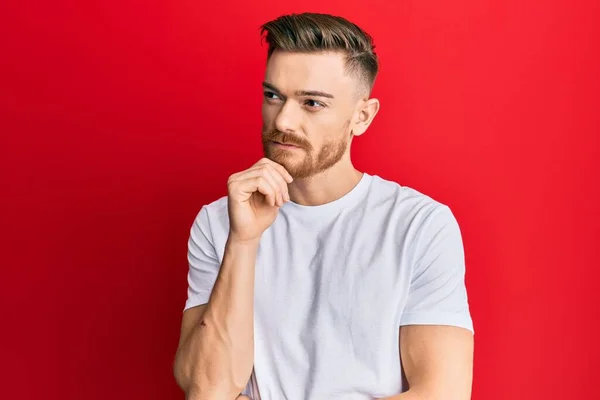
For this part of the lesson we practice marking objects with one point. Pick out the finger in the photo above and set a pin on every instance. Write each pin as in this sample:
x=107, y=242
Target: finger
x=286, y=175
x=267, y=189
x=258, y=184
x=280, y=181
x=269, y=176
x=280, y=173
x=275, y=181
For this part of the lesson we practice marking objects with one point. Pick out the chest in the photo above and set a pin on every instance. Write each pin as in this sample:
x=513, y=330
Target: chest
x=328, y=302
x=347, y=264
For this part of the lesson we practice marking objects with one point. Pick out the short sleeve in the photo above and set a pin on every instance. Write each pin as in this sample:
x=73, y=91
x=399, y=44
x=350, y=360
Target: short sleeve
x=202, y=260
x=437, y=293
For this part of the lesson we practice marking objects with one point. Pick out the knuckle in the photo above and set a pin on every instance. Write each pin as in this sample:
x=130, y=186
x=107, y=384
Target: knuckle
x=234, y=177
x=264, y=169
x=275, y=168
x=231, y=188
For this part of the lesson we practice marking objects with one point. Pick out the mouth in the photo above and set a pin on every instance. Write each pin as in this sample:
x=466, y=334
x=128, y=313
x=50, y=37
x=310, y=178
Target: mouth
x=285, y=145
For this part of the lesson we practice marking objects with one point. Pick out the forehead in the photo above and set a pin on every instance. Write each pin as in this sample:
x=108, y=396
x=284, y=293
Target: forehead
x=309, y=71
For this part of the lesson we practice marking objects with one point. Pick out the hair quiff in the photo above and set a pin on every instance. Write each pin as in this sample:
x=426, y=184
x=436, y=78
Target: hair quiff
x=313, y=33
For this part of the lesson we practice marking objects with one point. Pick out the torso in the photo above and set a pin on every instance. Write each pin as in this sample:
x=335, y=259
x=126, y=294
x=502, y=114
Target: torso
x=331, y=283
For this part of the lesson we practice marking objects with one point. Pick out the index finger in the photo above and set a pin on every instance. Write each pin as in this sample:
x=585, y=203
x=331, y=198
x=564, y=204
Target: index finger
x=284, y=173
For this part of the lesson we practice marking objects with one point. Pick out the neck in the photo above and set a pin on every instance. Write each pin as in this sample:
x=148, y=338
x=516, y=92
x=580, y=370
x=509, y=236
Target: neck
x=326, y=186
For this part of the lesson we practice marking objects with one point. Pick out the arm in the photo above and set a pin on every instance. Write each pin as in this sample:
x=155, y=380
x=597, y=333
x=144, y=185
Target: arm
x=437, y=361
x=216, y=350
x=436, y=331
x=215, y=354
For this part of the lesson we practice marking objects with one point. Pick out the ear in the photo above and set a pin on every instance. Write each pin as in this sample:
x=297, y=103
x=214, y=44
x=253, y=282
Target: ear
x=364, y=116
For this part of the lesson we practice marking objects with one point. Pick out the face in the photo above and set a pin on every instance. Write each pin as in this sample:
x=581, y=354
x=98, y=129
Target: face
x=311, y=109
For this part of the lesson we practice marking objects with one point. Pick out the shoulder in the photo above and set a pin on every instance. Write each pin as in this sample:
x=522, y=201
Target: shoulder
x=416, y=218
x=217, y=208
x=213, y=216
x=409, y=204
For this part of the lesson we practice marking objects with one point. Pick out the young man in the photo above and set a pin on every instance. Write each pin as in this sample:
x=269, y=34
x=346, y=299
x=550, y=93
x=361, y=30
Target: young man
x=310, y=279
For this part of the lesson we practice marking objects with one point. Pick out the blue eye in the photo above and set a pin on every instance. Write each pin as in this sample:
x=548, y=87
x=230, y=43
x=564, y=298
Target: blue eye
x=314, y=103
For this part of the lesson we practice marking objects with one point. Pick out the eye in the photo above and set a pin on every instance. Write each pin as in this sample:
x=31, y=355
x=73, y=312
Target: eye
x=314, y=104
x=270, y=95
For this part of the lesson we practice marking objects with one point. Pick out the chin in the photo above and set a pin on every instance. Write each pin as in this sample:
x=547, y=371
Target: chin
x=296, y=168
x=287, y=163
x=284, y=158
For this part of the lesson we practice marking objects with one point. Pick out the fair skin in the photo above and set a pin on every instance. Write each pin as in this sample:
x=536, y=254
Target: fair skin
x=306, y=138
x=322, y=121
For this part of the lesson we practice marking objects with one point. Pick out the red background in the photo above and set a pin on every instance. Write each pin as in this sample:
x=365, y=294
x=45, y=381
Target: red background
x=119, y=120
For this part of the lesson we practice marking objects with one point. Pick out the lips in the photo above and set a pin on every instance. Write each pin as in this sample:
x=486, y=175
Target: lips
x=285, y=144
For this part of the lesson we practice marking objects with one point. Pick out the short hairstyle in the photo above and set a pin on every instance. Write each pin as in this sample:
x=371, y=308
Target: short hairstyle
x=314, y=32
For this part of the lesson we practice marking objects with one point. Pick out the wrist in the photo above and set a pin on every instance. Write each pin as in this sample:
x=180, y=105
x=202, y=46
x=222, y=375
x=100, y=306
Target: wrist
x=235, y=243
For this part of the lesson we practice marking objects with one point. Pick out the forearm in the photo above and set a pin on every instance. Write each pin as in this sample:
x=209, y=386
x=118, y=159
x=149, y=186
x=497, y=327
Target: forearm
x=217, y=358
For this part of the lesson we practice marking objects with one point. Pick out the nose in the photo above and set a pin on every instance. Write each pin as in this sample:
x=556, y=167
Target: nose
x=288, y=118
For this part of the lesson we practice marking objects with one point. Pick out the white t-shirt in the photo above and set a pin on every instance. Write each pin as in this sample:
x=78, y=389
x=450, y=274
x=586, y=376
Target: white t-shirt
x=335, y=282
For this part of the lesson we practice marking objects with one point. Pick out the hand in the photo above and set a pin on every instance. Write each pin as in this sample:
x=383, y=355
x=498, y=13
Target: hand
x=254, y=198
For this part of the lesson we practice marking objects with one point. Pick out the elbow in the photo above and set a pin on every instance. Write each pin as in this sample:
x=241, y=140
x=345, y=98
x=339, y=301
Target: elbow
x=181, y=374
x=196, y=387
x=183, y=378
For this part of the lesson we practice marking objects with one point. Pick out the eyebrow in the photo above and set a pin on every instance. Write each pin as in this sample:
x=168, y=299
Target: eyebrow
x=312, y=93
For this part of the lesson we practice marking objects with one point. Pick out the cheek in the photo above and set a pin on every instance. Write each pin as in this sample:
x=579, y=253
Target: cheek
x=326, y=130
x=268, y=113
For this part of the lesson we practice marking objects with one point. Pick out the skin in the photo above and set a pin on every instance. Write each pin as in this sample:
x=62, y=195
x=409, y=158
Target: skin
x=321, y=126
x=312, y=110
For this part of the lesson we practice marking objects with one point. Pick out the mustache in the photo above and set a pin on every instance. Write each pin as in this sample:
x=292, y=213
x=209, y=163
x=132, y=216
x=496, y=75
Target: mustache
x=286, y=138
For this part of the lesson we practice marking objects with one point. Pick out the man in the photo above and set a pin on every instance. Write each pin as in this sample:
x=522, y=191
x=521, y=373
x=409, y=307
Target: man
x=310, y=279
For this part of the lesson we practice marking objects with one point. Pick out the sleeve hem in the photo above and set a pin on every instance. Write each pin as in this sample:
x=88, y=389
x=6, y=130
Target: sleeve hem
x=197, y=300
x=460, y=320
